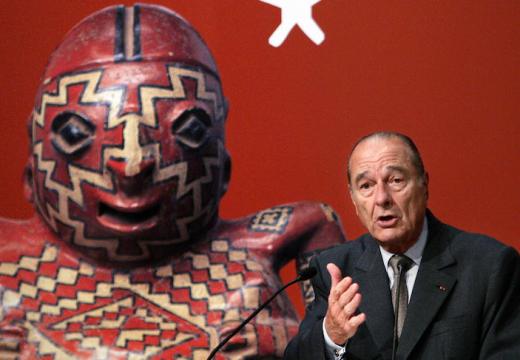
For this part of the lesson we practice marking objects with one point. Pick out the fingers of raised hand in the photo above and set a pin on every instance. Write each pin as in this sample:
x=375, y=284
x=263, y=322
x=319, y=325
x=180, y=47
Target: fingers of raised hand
x=341, y=323
x=350, y=300
x=354, y=322
x=337, y=291
x=344, y=299
x=335, y=274
x=350, y=308
x=344, y=302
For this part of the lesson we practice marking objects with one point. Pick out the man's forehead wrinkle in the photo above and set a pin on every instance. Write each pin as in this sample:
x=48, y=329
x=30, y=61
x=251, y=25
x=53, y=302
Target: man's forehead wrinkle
x=383, y=160
x=384, y=169
x=396, y=168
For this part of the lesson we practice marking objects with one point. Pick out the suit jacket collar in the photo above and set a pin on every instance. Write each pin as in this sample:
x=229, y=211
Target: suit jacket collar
x=432, y=287
x=372, y=278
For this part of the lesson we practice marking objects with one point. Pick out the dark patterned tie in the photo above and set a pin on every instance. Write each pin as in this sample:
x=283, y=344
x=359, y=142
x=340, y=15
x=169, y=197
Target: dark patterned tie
x=400, y=264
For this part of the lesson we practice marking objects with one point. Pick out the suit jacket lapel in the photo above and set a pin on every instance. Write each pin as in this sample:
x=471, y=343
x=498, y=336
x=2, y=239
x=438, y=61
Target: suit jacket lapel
x=432, y=287
x=377, y=301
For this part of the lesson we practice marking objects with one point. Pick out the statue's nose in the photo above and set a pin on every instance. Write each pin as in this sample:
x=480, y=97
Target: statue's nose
x=140, y=178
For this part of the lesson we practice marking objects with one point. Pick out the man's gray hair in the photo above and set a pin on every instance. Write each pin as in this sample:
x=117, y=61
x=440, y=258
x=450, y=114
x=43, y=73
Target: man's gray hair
x=414, y=152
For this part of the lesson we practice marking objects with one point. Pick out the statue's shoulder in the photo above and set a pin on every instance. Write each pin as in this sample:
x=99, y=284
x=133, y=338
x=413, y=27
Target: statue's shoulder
x=307, y=225
x=22, y=237
x=278, y=217
x=302, y=214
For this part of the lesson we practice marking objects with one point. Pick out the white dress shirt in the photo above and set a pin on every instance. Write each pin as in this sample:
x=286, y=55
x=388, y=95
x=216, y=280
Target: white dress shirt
x=335, y=351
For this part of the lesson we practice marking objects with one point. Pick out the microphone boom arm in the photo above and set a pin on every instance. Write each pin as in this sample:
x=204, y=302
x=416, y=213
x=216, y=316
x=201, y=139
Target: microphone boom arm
x=304, y=275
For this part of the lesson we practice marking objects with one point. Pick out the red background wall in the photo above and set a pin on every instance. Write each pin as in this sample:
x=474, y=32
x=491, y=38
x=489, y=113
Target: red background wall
x=444, y=72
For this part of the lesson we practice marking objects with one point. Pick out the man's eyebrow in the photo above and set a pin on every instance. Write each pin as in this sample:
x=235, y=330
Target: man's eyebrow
x=360, y=176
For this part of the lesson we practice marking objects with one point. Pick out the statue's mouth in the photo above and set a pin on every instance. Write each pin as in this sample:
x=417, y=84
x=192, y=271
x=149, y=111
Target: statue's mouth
x=128, y=219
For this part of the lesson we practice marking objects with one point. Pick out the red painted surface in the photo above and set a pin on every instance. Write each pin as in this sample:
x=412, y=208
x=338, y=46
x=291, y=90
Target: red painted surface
x=128, y=256
x=445, y=73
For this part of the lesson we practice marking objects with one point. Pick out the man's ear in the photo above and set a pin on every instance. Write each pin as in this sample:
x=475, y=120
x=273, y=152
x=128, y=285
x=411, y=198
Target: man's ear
x=351, y=194
x=28, y=181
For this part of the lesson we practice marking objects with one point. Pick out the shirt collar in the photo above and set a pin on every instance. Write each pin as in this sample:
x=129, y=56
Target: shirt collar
x=415, y=252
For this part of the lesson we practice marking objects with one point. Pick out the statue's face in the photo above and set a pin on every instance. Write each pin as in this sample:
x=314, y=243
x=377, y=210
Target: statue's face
x=129, y=158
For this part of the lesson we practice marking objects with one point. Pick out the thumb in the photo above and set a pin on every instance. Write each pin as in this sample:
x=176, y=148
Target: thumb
x=335, y=274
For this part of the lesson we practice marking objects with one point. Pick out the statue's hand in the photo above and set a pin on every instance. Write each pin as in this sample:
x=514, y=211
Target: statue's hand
x=10, y=343
x=12, y=335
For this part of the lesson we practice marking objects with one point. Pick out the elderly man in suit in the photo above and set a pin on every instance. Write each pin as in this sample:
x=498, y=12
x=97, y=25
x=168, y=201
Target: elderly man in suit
x=413, y=287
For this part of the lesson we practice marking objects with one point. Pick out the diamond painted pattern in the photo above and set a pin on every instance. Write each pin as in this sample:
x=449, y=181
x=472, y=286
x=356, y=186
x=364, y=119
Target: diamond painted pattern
x=179, y=310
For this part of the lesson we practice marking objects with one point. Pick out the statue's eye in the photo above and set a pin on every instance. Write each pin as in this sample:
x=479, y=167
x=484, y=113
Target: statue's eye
x=71, y=133
x=191, y=128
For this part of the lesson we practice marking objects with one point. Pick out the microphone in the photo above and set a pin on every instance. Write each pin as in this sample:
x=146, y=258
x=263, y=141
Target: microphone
x=303, y=275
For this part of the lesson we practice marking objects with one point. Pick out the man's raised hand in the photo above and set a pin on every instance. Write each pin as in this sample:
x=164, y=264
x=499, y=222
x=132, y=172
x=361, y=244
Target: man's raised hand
x=341, y=322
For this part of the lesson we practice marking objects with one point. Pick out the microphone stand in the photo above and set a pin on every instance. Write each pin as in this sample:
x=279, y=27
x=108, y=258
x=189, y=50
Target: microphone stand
x=304, y=275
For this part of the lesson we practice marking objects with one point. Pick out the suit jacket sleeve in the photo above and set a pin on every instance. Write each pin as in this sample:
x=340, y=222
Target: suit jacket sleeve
x=309, y=342
x=501, y=322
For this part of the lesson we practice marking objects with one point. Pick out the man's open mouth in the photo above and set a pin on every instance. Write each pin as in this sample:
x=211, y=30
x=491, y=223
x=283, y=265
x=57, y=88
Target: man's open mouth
x=128, y=219
x=386, y=217
x=387, y=220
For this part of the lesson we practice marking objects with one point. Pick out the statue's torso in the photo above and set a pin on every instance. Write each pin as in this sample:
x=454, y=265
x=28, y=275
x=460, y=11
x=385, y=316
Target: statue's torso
x=67, y=308
x=57, y=304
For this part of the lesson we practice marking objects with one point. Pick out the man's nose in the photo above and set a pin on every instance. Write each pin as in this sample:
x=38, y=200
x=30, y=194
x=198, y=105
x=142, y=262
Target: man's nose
x=383, y=197
x=135, y=183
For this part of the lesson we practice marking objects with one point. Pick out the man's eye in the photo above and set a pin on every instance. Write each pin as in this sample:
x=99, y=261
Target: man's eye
x=191, y=128
x=71, y=133
x=364, y=186
x=397, y=183
x=396, y=180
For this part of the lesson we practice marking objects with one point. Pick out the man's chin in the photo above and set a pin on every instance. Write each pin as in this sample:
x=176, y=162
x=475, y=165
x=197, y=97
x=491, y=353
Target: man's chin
x=388, y=237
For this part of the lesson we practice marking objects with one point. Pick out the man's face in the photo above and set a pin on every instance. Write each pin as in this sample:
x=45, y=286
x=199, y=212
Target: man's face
x=129, y=159
x=389, y=195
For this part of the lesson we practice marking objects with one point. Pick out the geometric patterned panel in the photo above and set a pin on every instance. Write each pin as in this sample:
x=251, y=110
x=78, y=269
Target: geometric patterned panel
x=180, y=310
x=272, y=220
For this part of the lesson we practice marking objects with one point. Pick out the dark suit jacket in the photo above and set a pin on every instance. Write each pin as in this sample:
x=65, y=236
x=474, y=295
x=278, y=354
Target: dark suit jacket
x=465, y=303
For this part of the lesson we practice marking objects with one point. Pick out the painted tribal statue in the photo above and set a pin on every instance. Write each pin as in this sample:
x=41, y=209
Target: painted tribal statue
x=126, y=257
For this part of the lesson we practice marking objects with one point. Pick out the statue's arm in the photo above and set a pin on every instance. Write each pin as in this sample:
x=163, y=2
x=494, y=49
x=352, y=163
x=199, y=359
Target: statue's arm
x=290, y=231
x=293, y=232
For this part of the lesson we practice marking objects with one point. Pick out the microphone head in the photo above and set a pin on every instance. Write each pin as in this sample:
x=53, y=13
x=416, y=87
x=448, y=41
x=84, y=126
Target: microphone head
x=307, y=273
